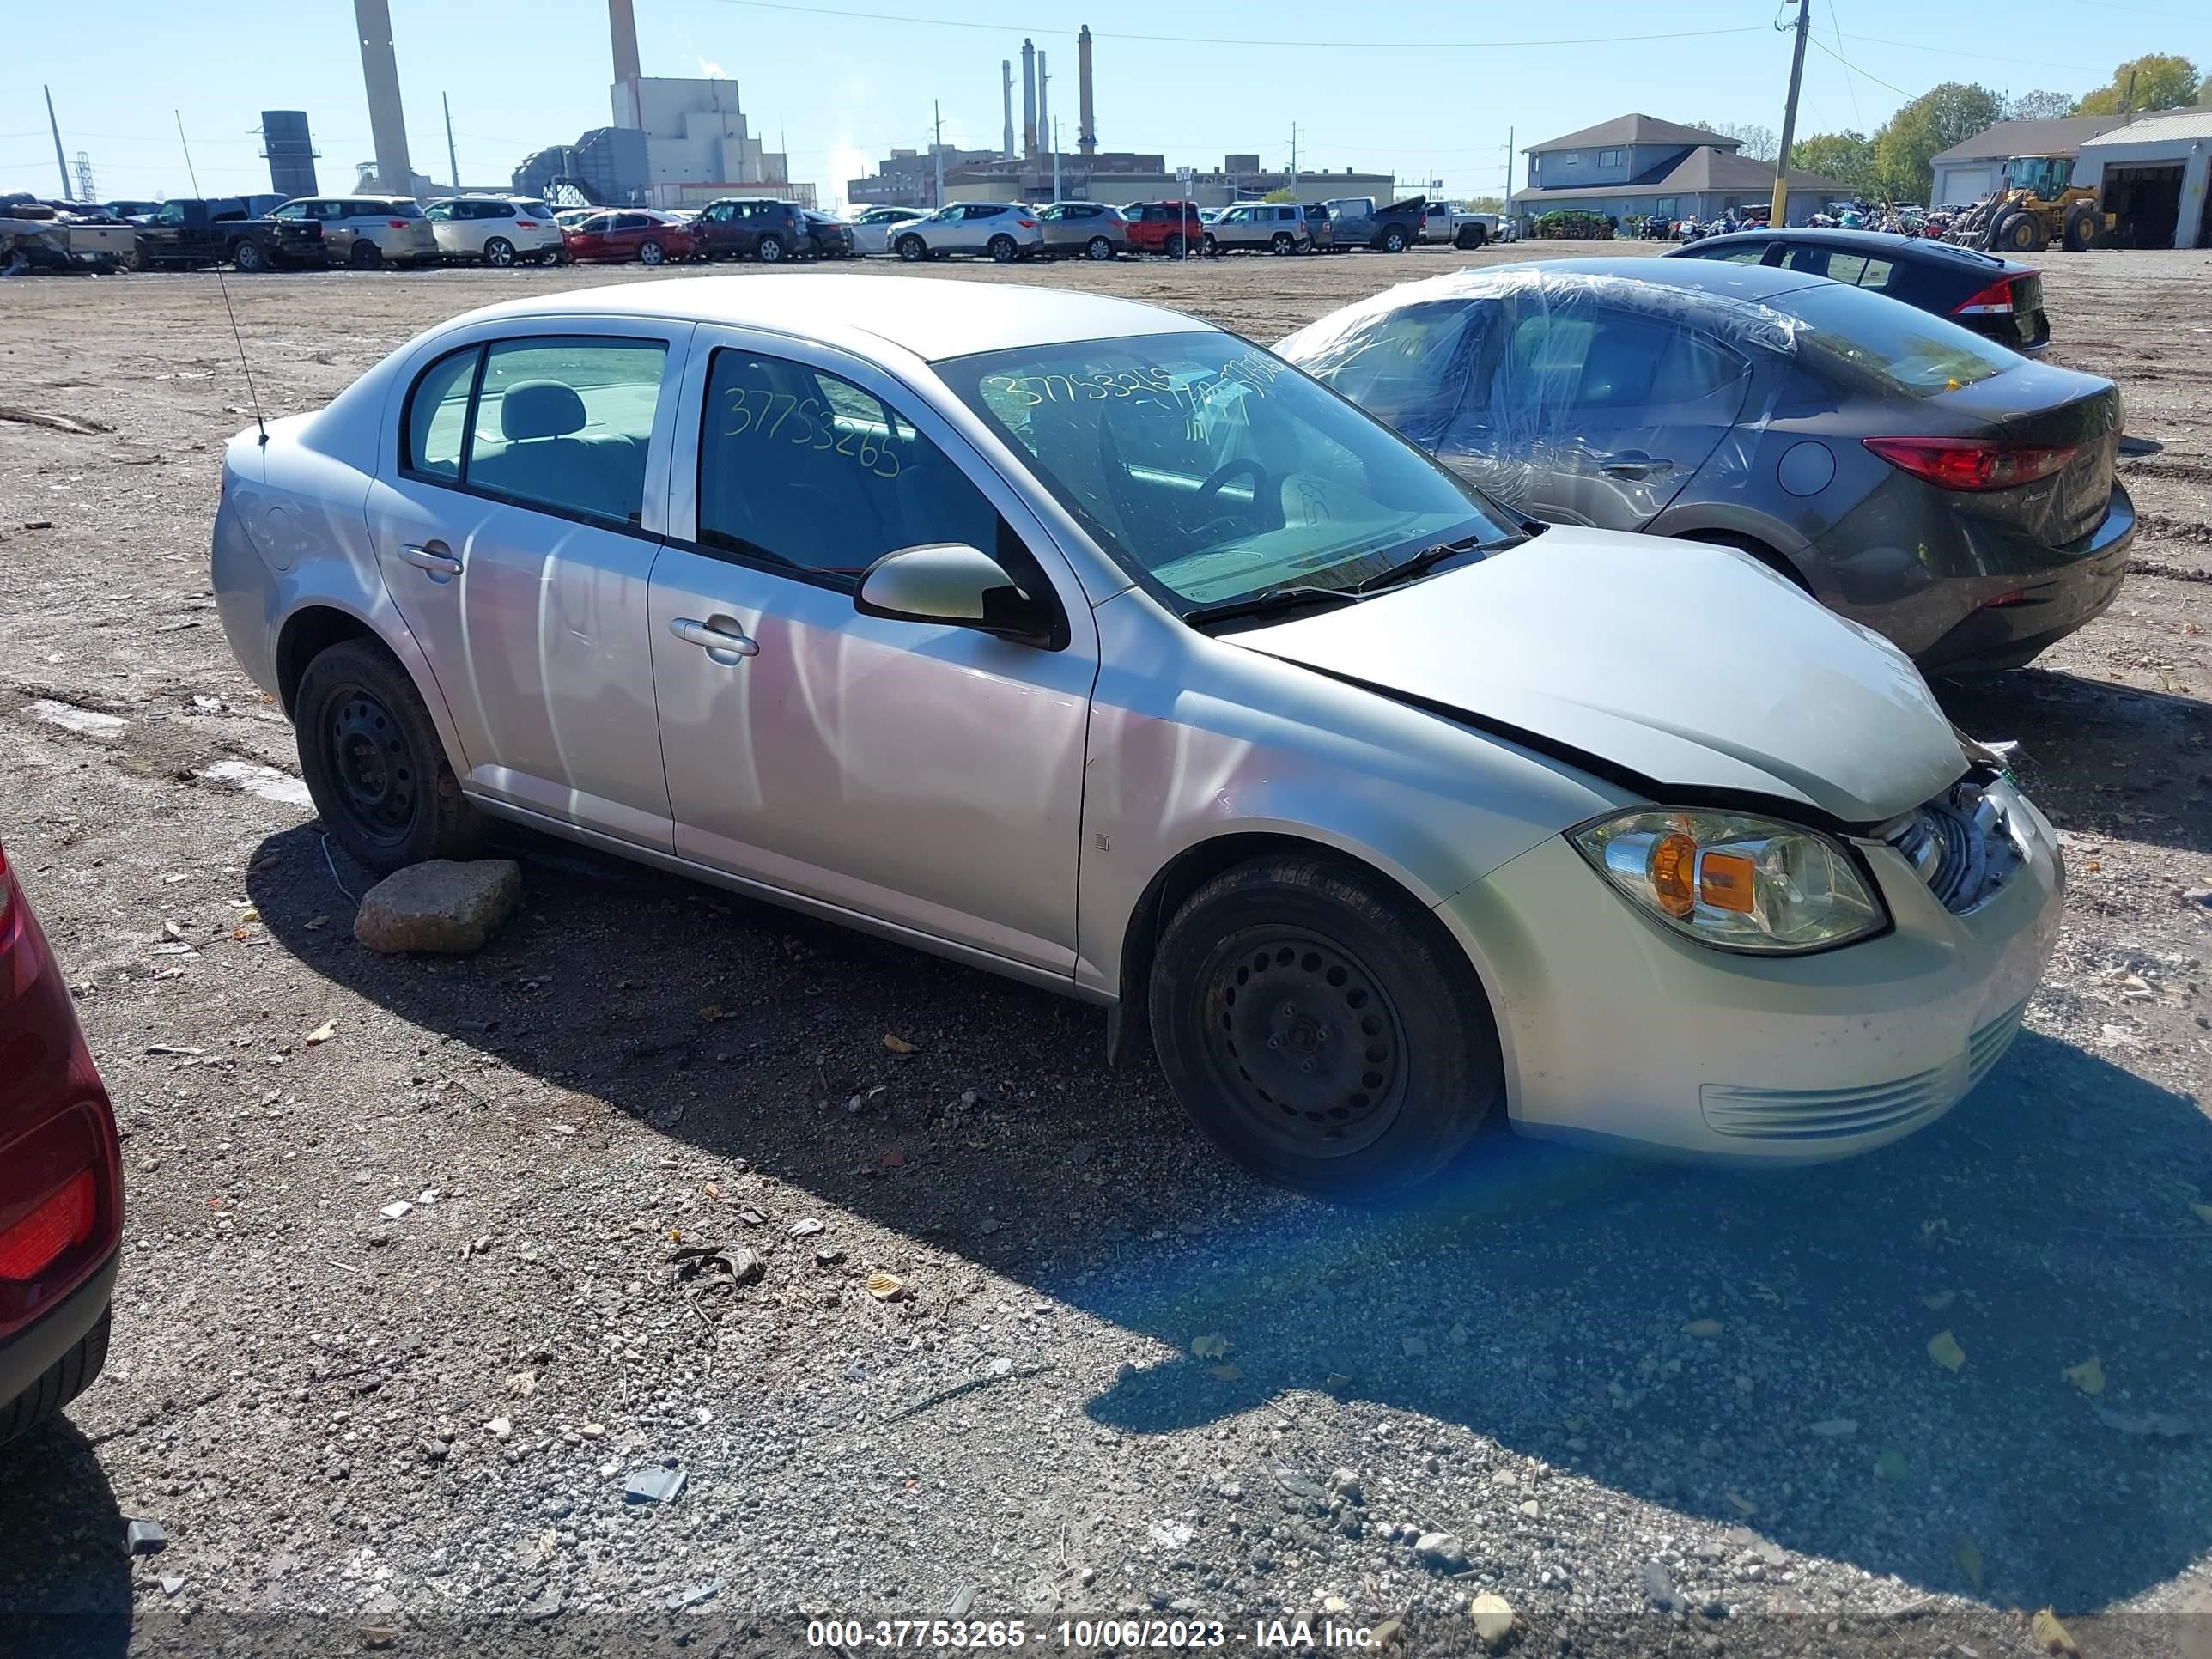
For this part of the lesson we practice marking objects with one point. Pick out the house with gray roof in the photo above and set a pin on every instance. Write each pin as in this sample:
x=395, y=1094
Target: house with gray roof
x=1637, y=165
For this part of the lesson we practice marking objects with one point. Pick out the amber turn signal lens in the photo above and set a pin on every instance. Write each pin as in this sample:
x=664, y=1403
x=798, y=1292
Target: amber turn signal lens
x=1673, y=857
x=1725, y=881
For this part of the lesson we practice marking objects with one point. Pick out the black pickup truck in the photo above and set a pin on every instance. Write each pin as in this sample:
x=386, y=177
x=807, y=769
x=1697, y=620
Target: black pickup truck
x=185, y=236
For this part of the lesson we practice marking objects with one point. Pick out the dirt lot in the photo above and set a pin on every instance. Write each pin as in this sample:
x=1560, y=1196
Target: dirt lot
x=1617, y=1387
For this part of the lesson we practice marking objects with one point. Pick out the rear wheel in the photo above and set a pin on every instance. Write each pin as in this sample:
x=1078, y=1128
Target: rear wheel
x=68, y=1377
x=652, y=253
x=499, y=251
x=1098, y=248
x=366, y=256
x=2084, y=224
x=248, y=255
x=1172, y=247
x=1323, y=1029
x=1394, y=239
x=1280, y=242
x=770, y=250
x=913, y=248
x=370, y=758
x=1002, y=249
x=1471, y=236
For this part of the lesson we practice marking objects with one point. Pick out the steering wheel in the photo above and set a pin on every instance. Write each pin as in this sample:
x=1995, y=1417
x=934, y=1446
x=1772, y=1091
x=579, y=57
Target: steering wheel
x=1228, y=470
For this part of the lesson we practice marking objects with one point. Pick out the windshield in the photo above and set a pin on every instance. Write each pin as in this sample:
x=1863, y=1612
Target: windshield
x=1209, y=469
x=1906, y=349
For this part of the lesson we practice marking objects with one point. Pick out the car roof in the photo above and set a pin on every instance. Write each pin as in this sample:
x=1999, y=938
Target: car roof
x=1734, y=282
x=1886, y=242
x=933, y=318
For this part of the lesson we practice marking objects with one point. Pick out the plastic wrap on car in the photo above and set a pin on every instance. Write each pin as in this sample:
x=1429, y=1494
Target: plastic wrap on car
x=1410, y=356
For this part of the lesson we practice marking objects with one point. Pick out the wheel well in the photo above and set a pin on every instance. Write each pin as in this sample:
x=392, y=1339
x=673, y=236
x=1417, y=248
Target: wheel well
x=1759, y=549
x=307, y=635
x=1129, y=1025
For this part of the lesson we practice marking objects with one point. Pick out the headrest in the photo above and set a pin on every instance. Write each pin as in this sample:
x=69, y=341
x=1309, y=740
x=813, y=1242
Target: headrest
x=540, y=409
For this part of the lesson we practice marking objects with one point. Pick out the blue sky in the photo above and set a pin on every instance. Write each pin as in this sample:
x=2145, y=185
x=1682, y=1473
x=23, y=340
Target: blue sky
x=1422, y=89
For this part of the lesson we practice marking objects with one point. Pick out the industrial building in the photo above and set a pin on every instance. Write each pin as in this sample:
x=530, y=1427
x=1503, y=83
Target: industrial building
x=2156, y=174
x=1971, y=169
x=1635, y=166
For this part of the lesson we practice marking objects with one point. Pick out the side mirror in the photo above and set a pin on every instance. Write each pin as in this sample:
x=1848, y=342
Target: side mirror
x=952, y=583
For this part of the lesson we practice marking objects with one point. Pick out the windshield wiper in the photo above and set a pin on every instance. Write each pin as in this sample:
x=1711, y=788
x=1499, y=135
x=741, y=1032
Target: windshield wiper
x=1275, y=598
x=1427, y=559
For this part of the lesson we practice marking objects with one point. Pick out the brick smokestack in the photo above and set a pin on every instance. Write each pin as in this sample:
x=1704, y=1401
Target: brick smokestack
x=1086, y=129
x=621, y=23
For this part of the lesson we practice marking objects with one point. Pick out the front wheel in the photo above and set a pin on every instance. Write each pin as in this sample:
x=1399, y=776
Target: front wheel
x=913, y=249
x=499, y=251
x=1002, y=250
x=652, y=253
x=371, y=759
x=1324, y=1030
x=1211, y=247
x=1098, y=248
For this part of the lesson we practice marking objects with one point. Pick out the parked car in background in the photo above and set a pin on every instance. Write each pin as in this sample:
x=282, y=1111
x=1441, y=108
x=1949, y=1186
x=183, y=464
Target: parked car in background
x=1916, y=477
x=1319, y=227
x=620, y=236
x=1004, y=231
x=1361, y=222
x=130, y=210
x=186, y=234
x=1387, y=817
x=1092, y=229
x=368, y=231
x=1990, y=295
x=873, y=229
x=828, y=237
x=36, y=236
x=1167, y=227
x=1259, y=228
x=60, y=1181
x=569, y=218
x=500, y=230
x=761, y=227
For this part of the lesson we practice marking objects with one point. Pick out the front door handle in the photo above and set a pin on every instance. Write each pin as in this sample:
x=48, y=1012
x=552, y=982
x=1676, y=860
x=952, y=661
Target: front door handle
x=724, y=643
x=1634, y=464
x=433, y=556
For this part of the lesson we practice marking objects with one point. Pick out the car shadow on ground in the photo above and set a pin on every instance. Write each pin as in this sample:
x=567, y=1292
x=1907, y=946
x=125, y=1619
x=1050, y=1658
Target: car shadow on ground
x=59, y=1505
x=2102, y=759
x=1748, y=1349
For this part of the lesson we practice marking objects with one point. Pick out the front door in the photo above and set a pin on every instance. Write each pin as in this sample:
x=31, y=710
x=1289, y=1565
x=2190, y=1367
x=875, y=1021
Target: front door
x=516, y=523
x=926, y=777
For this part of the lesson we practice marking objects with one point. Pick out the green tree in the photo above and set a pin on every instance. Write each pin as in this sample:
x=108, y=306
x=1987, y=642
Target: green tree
x=2038, y=107
x=1754, y=142
x=1933, y=122
x=2163, y=79
x=1847, y=157
x=1281, y=195
x=1484, y=204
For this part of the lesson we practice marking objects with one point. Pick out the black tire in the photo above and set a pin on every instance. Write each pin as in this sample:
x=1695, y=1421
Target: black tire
x=132, y=258
x=770, y=251
x=499, y=251
x=1471, y=236
x=1320, y=950
x=1172, y=247
x=1281, y=242
x=1003, y=249
x=2019, y=233
x=1210, y=248
x=912, y=249
x=1394, y=239
x=370, y=758
x=249, y=256
x=1098, y=248
x=650, y=252
x=64, y=1380
x=366, y=256
x=2084, y=225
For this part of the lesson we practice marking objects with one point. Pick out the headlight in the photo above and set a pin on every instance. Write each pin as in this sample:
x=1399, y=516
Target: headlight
x=1744, y=884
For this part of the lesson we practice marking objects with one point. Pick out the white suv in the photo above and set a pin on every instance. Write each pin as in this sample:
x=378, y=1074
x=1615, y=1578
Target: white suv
x=500, y=230
x=1006, y=231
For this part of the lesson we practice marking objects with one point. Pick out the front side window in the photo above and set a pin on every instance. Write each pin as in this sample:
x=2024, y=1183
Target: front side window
x=802, y=472
x=565, y=423
x=1210, y=469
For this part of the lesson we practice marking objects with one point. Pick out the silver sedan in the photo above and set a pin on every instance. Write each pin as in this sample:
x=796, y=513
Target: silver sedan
x=1076, y=640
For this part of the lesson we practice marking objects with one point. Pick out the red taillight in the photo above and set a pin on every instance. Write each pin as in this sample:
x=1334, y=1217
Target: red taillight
x=1026, y=224
x=53, y=1226
x=1995, y=301
x=525, y=224
x=397, y=224
x=1971, y=464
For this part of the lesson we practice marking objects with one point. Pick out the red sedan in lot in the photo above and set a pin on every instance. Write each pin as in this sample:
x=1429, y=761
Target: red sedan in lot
x=60, y=1182
x=620, y=236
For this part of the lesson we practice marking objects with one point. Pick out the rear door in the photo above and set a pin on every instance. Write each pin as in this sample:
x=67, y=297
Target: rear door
x=926, y=778
x=516, y=514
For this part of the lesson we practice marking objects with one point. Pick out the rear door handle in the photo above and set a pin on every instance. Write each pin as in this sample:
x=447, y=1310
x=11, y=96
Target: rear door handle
x=433, y=556
x=1634, y=465
x=724, y=644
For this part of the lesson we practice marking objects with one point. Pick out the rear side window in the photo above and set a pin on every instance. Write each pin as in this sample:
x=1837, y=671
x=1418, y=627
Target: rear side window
x=438, y=417
x=1612, y=360
x=564, y=425
x=1906, y=351
x=804, y=471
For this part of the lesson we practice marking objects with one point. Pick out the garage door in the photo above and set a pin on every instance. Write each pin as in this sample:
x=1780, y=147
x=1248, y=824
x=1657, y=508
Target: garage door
x=1961, y=186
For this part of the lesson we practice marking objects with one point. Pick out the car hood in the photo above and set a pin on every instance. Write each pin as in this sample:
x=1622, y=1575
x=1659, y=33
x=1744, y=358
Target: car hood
x=1681, y=665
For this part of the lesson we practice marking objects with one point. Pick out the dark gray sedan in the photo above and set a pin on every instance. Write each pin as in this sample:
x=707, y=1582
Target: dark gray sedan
x=1915, y=476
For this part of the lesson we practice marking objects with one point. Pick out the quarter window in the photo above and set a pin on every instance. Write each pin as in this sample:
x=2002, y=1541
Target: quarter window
x=438, y=416
x=565, y=423
x=804, y=471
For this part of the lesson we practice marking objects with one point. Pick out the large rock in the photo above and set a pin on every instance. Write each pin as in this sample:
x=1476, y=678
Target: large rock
x=445, y=906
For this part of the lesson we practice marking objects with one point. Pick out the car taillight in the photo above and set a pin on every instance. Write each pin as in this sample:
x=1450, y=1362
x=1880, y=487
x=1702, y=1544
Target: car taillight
x=48, y=1228
x=1971, y=464
x=1995, y=301
x=525, y=224
x=397, y=224
x=1026, y=224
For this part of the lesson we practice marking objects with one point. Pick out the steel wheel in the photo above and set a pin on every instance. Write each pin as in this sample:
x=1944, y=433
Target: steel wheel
x=378, y=775
x=650, y=253
x=499, y=251
x=1304, y=1042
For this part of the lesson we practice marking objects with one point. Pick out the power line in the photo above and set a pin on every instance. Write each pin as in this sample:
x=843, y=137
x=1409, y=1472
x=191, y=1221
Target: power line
x=1851, y=84
x=1855, y=70
x=1227, y=41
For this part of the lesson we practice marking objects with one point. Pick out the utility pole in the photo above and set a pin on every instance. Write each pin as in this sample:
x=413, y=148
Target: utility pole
x=452, y=158
x=937, y=148
x=58, y=161
x=1779, y=214
x=1294, y=161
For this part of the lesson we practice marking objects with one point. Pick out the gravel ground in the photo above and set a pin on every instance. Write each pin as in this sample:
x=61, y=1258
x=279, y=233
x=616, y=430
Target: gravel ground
x=1650, y=1408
